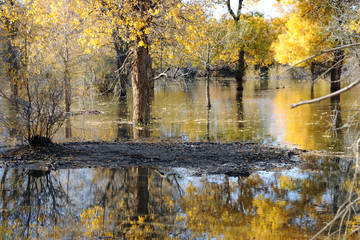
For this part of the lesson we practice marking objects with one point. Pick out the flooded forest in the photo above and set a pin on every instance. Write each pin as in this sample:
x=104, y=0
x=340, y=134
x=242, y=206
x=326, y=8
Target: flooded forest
x=177, y=119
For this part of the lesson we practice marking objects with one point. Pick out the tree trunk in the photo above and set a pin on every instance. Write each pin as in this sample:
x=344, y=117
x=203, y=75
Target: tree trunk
x=240, y=109
x=150, y=74
x=208, y=86
x=121, y=48
x=67, y=86
x=240, y=71
x=335, y=74
x=140, y=85
x=207, y=67
x=142, y=191
x=12, y=60
x=264, y=72
x=312, y=70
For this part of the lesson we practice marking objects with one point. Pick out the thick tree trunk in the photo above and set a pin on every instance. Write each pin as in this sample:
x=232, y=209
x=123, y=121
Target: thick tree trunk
x=240, y=71
x=140, y=85
x=335, y=74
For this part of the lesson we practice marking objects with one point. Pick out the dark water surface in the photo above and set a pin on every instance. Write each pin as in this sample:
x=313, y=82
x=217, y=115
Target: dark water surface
x=147, y=203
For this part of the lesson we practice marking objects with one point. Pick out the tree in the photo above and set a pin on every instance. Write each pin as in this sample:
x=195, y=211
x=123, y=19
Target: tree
x=12, y=23
x=255, y=35
x=35, y=93
x=201, y=39
x=300, y=39
x=135, y=21
x=240, y=71
x=314, y=26
x=62, y=21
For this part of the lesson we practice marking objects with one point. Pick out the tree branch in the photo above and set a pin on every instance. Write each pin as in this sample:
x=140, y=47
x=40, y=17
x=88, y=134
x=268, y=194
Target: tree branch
x=118, y=71
x=239, y=8
x=326, y=51
x=163, y=74
x=236, y=18
x=353, y=84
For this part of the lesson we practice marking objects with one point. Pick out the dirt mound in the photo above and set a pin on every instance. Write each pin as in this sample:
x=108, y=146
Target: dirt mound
x=233, y=159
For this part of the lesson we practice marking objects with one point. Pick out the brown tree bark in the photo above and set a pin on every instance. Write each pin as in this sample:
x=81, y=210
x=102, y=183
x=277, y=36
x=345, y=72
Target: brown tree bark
x=140, y=83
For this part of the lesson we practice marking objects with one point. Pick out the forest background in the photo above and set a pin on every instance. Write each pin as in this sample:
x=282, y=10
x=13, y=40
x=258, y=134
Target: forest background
x=58, y=51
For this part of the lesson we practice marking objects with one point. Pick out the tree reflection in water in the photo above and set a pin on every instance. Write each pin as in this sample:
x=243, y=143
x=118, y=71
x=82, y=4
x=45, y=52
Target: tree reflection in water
x=144, y=203
x=31, y=199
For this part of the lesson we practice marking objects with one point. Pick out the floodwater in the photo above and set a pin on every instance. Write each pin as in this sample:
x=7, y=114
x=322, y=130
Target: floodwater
x=262, y=114
x=146, y=203
x=149, y=203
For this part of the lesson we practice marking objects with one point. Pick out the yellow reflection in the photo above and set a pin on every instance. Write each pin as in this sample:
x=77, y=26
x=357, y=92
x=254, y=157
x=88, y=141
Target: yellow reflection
x=303, y=126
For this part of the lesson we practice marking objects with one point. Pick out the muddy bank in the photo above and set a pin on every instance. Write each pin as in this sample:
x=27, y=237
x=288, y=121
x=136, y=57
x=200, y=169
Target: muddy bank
x=233, y=159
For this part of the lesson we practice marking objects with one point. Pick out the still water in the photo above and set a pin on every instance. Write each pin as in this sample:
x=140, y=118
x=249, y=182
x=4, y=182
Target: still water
x=148, y=203
x=261, y=114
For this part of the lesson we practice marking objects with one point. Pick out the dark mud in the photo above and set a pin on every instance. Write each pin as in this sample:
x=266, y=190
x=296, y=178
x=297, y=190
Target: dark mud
x=233, y=159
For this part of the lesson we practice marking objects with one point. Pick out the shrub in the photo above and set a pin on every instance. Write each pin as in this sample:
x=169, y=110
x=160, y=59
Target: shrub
x=36, y=113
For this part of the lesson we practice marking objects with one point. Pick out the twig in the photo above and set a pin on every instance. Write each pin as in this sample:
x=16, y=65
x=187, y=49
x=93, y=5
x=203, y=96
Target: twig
x=334, y=219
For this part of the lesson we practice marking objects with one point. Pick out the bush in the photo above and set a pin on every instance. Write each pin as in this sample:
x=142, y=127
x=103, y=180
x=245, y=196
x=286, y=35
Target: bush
x=36, y=113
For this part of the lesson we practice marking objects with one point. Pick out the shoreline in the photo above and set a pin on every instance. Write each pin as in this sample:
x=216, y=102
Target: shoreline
x=231, y=159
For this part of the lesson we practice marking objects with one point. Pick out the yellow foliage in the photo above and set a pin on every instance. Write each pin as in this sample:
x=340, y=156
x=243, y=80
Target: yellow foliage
x=301, y=39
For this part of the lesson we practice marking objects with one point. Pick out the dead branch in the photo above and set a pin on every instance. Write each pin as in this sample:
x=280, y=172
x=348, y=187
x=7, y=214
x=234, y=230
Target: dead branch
x=163, y=74
x=118, y=71
x=353, y=84
x=326, y=51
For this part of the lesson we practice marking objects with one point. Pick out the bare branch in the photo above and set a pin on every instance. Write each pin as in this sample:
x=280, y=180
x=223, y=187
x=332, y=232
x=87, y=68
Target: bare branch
x=124, y=63
x=236, y=18
x=326, y=51
x=239, y=8
x=163, y=74
x=353, y=84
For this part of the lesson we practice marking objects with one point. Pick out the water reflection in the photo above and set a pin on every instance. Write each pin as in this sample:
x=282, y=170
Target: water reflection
x=261, y=113
x=148, y=203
